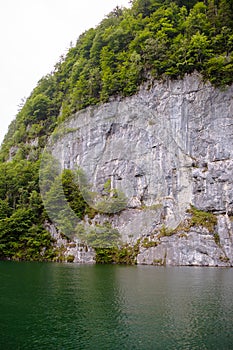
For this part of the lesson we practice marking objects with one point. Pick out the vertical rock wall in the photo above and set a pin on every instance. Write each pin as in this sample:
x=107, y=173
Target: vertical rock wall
x=165, y=148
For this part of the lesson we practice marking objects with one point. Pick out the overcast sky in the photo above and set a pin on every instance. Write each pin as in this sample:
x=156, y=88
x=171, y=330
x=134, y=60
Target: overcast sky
x=33, y=35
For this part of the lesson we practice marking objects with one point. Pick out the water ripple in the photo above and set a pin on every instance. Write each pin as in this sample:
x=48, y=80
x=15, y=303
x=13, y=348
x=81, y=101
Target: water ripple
x=55, y=306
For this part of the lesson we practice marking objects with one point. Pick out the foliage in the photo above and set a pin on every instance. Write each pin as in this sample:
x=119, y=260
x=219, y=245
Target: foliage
x=70, y=258
x=98, y=236
x=217, y=238
x=125, y=254
x=73, y=194
x=21, y=231
x=22, y=214
x=146, y=243
x=109, y=201
x=165, y=232
x=22, y=239
x=198, y=218
x=112, y=203
x=202, y=218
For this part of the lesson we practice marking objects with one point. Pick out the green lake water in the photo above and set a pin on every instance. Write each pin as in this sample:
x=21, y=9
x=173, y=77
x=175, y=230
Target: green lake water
x=67, y=306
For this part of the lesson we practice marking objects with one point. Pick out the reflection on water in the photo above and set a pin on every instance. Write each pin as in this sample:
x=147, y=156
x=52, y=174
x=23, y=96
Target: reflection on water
x=55, y=306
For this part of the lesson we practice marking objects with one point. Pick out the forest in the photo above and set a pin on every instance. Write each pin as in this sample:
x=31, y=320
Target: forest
x=152, y=40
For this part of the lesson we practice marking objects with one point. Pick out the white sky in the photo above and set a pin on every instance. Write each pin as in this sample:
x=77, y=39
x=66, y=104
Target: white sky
x=33, y=35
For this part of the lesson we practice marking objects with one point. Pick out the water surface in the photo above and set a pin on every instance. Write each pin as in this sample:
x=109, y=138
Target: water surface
x=67, y=306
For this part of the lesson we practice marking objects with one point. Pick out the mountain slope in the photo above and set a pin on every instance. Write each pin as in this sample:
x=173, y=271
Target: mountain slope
x=154, y=40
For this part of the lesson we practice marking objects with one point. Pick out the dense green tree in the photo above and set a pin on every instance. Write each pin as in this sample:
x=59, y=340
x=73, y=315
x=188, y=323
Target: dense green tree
x=5, y=209
x=212, y=13
x=197, y=20
x=142, y=7
x=72, y=193
x=225, y=13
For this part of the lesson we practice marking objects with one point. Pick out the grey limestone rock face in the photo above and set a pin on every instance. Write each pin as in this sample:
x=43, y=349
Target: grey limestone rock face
x=194, y=248
x=166, y=147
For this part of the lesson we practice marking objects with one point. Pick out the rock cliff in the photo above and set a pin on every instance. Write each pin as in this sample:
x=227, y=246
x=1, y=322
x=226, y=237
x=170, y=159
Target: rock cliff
x=166, y=148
